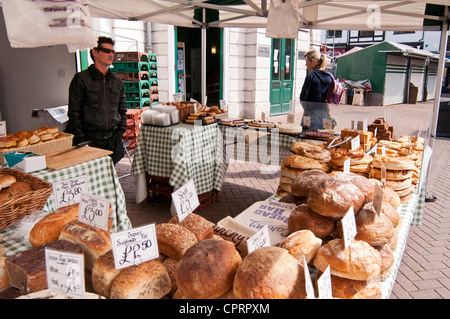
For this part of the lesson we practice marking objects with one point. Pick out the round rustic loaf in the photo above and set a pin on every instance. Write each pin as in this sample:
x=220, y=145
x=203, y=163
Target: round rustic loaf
x=303, y=182
x=344, y=288
x=302, y=243
x=269, y=273
x=387, y=261
x=334, y=197
x=302, y=217
x=362, y=183
x=359, y=261
x=388, y=210
x=375, y=229
x=207, y=269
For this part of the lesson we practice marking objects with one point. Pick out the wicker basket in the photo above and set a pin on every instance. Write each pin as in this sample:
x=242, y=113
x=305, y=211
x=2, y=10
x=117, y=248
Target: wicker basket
x=19, y=206
x=185, y=108
x=41, y=148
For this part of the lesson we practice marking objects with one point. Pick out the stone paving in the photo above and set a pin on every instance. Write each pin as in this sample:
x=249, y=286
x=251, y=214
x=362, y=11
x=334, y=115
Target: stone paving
x=424, y=272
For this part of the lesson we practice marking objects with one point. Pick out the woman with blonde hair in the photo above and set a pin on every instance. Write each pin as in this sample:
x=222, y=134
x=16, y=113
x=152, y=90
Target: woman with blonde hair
x=313, y=96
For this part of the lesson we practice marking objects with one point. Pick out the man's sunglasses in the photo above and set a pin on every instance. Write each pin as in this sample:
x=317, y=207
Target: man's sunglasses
x=105, y=50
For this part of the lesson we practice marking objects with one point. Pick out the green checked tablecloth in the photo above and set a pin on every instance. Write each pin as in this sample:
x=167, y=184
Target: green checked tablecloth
x=102, y=181
x=180, y=153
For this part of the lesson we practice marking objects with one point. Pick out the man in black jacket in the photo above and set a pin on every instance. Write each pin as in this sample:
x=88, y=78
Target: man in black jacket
x=97, y=105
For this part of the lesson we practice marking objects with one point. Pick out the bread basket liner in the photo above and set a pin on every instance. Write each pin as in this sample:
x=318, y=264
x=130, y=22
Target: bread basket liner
x=21, y=205
x=41, y=148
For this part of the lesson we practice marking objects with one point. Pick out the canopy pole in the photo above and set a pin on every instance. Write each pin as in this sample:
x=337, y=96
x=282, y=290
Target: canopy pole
x=437, y=96
x=203, y=50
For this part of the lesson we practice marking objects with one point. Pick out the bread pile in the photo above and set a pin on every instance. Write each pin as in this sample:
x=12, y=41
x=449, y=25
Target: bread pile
x=307, y=157
x=384, y=131
x=10, y=187
x=359, y=160
x=22, y=138
x=402, y=161
x=315, y=231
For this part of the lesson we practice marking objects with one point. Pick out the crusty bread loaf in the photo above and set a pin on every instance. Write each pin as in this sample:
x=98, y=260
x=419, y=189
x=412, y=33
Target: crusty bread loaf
x=393, y=163
x=174, y=239
x=269, y=273
x=104, y=273
x=4, y=278
x=171, y=266
x=293, y=199
x=303, y=162
x=26, y=270
x=290, y=172
x=359, y=261
x=362, y=183
x=317, y=152
x=207, y=269
x=17, y=188
x=391, y=175
x=302, y=217
x=333, y=197
x=388, y=210
x=148, y=280
x=305, y=181
x=94, y=241
x=375, y=229
x=201, y=227
x=390, y=196
x=49, y=227
x=344, y=288
x=302, y=243
x=387, y=261
x=6, y=180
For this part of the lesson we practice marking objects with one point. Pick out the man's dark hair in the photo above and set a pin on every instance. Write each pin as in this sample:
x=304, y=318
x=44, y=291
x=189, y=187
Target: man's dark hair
x=101, y=40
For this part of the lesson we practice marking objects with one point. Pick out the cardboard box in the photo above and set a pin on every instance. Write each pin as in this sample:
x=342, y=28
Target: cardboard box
x=25, y=162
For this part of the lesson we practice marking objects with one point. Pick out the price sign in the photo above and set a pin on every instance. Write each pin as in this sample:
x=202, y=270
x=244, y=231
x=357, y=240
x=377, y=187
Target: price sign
x=378, y=198
x=177, y=97
x=263, y=116
x=65, y=272
x=94, y=211
x=348, y=226
x=306, y=121
x=324, y=285
x=308, y=282
x=347, y=163
x=290, y=118
x=2, y=128
x=223, y=105
x=69, y=192
x=185, y=199
x=259, y=240
x=134, y=246
x=356, y=143
x=327, y=124
x=383, y=174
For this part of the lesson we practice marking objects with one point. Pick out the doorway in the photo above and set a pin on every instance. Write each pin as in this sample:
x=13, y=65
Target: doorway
x=281, y=79
x=189, y=64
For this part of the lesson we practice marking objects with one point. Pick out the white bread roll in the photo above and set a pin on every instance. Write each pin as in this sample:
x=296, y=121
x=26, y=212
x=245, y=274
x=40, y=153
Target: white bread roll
x=359, y=261
x=269, y=273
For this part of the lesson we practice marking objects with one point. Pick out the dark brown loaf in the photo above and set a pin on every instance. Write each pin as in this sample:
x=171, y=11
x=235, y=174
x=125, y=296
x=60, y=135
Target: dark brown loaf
x=207, y=269
x=104, y=273
x=305, y=181
x=148, y=280
x=202, y=228
x=26, y=270
x=359, y=261
x=304, y=218
x=292, y=199
x=49, y=227
x=94, y=241
x=333, y=198
x=269, y=273
x=174, y=239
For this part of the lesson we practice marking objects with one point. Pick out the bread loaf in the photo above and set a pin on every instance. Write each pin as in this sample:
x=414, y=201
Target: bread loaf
x=202, y=228
x=17, y=188
x=375, y=229
x=344, y=288
x=269, y=273
x=94, y=241
x=174, y=239
x=387, y=261
x=4, y=278
x=207, y=269
x=304, y=218
x=293, y=199
x=6, y=180
x=333, y=198
x=362, y=183
x=148, y=280
x=359, y=261
x=302, y=243
x=26, y=270
x=388, y=210
x=305, y=181
x=104, y=273
x=171, y=266
x=49, y=227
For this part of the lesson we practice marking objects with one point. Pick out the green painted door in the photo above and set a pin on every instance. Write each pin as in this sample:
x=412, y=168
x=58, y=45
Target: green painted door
x=282, y=68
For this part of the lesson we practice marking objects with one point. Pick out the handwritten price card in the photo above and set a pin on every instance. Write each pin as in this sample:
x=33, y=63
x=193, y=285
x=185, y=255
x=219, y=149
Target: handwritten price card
x=65, y=272
x=324, y=285
x=259, y=240
x=69, y=192
x=309, y=287
x=378, y=198
x=94, y=211
x=349, y=226
x=185, y=200
x=134, y=246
